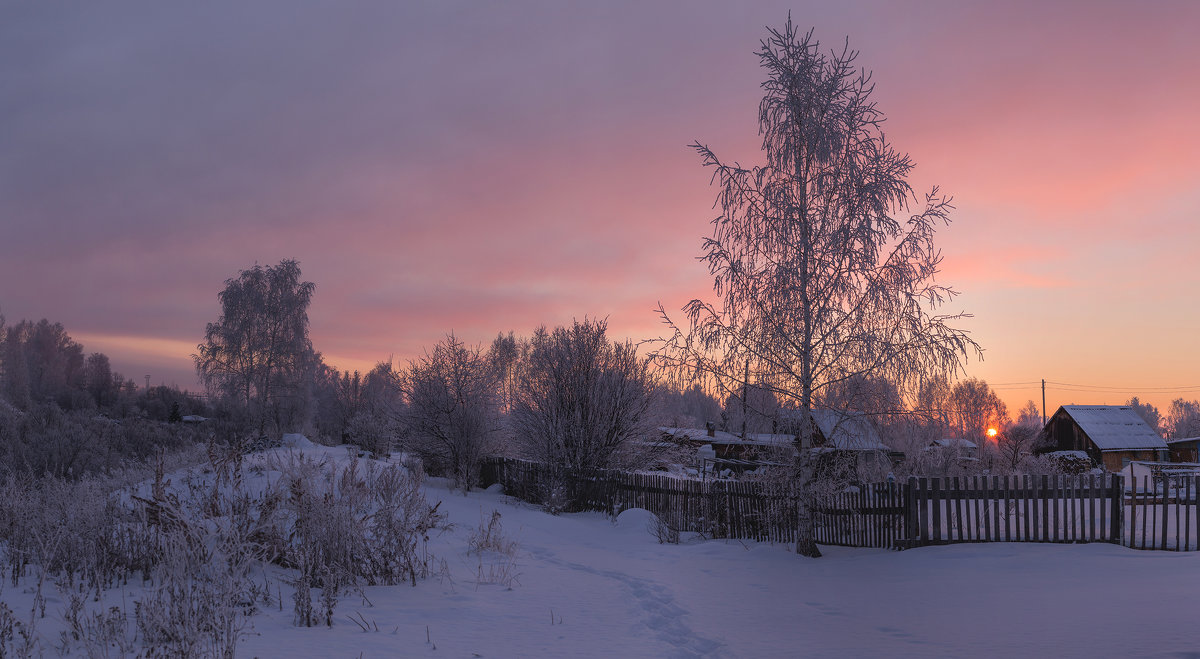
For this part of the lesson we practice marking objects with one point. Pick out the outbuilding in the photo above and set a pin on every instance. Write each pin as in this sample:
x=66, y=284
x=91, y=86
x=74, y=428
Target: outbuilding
x=1112, y=435
x=1184, y=449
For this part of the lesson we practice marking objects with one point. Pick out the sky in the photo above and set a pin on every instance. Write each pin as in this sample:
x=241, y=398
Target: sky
x=482, y=167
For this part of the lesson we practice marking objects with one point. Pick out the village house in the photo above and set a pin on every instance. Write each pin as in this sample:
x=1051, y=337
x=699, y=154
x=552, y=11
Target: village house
x=950, y=451
x=1111, y=435
x=728, y=446
x=962, y=448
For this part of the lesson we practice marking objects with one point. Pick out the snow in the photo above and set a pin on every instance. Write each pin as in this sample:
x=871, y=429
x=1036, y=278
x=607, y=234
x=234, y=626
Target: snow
x=588, y=586
x=296, y=440
x=954, y=442
x=1115, y=427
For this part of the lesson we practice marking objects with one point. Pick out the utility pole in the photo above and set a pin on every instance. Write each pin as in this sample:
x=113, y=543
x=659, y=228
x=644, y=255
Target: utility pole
x=1043, y=402
x=147, y=383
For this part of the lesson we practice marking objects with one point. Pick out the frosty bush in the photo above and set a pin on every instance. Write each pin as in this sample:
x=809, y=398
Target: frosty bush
x=662, y=531
x=490, y=537
x=355, y=525
x=497, y=553
x=46, y=441
x=373, y=433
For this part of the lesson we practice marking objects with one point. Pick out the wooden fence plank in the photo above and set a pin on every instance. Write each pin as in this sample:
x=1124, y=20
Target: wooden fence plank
x=1007, y=509
x=1166, y=511
x=1145, y=491
x=1133, y=493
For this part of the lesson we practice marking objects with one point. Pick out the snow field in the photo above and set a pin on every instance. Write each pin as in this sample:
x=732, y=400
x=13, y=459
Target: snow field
x=586, y=586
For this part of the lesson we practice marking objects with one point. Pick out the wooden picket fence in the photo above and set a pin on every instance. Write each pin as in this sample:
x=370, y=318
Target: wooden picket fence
x=872, y=515
x=1158, y=513
x=716, y=508
x=1163, y=513
x=1014, y=509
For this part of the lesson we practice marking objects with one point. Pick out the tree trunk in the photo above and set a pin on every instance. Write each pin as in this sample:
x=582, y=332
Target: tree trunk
x=806, y=543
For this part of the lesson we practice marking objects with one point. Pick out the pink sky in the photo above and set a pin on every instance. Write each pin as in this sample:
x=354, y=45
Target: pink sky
x=483, y=167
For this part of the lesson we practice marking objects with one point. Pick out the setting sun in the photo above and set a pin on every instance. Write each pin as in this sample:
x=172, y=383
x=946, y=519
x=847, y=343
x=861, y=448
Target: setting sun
x=991, y=432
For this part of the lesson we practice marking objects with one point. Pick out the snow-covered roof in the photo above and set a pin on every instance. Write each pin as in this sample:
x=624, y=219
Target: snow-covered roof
x=955, y=442
x=772, y=439
x=1081, y=455
x=1176, y=440
x=848, y=431
x=693, y=434
x=722, y=437
x=1115, y=427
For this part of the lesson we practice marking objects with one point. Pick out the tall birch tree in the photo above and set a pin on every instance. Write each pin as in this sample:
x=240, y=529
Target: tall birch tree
x=258, y=354
x=823, y=257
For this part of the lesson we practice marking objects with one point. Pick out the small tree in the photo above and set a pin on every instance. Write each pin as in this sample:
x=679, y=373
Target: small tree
x=451, y=416
x=822, y=276
x=258, y=354
x=1015, y=444
x=584, y=402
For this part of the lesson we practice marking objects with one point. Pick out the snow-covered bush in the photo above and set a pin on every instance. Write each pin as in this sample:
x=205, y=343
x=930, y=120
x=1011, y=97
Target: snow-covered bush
x=46, y=441
x=373, y=433
x=497, y=553
x=354, y=525
x=490, y=537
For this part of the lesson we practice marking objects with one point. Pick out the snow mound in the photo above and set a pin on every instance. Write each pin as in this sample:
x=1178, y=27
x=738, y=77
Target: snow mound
x=296, y=440
x=495, y=488
x=635, y=519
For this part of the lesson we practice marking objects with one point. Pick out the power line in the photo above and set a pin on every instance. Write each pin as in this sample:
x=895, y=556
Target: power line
x=1095, y=387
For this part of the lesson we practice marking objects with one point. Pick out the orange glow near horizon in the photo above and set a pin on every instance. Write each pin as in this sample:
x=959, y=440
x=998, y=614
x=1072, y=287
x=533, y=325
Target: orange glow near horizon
x=134, y=186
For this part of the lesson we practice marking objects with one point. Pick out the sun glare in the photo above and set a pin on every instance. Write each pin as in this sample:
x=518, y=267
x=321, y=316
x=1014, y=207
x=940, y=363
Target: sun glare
x=991, y=432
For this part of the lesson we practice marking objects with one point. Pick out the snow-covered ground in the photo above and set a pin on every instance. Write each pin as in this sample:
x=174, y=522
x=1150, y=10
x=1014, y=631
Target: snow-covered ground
x=588, y=587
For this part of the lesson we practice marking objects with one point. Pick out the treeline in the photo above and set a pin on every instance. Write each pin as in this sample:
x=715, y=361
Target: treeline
x=567, y=395
x=40, y=364
x=65, y=413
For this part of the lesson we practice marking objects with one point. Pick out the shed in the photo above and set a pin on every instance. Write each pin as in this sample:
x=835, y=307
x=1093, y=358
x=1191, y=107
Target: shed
x=845, y=433
x=1184, y=449
x=728, y=446
x=962, y=447
x=1111, y=435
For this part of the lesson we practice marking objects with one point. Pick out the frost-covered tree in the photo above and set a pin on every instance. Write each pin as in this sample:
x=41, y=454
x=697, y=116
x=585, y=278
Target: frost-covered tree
x=508, y=356
x=1148, y=412
x=42, y=363
x=974, y=409
x=690, y=407
x=1183, y=418
x=99, y=381
x=583, y=402
x=823, y=257
x=1030, y=415
x=752, y=409
x=258, y=354
x=450, y=417
x=1015, y=443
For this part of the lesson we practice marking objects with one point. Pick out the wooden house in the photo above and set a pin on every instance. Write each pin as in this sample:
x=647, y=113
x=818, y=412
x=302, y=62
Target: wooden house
x=962, y=448
x=850, y=435
x=1112, y=435
x=728, y=446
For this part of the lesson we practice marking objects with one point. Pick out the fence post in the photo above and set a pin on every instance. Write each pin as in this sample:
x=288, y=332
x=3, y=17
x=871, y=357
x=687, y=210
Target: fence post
x=911, y=518
x=1117, y=493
